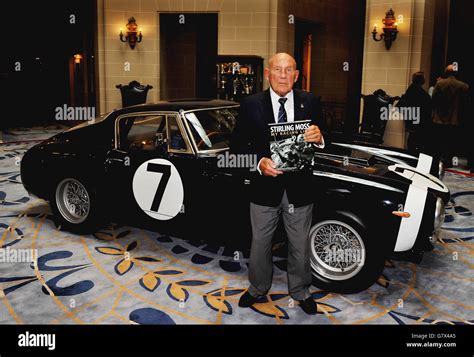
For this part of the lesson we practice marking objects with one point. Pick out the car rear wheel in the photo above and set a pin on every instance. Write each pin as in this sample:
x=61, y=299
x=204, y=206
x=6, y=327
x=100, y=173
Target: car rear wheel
x=344, y=258
x=74, y=206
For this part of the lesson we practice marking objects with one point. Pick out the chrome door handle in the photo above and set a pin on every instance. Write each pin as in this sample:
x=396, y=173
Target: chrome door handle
x=113, y=159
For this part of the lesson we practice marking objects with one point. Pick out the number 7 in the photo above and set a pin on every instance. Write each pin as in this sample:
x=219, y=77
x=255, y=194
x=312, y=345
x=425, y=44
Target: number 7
x=166, y=171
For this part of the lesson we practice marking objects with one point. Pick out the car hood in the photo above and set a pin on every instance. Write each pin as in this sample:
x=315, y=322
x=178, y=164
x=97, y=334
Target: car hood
x=377, y=165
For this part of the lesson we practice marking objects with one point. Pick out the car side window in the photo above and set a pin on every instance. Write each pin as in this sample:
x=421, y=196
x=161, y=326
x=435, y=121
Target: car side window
x=177, y=141
x=140, y=132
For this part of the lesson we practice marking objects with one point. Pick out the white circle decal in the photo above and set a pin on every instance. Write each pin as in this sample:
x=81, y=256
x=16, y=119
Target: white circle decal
x=158, y=189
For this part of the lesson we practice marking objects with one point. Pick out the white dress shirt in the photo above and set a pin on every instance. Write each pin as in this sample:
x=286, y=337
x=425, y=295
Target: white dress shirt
x=289, y=105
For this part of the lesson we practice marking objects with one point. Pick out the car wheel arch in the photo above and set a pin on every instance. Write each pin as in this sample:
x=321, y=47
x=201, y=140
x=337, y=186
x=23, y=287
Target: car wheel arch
x=338, y=213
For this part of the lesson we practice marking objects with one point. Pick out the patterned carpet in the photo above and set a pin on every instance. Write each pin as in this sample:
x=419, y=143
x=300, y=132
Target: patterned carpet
x=124, y=275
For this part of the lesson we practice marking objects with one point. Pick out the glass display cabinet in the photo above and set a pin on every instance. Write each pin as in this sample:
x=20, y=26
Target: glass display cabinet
x=238, y=76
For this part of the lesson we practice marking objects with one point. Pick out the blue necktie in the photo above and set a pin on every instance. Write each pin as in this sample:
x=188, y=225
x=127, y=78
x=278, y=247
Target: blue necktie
x=282, y=118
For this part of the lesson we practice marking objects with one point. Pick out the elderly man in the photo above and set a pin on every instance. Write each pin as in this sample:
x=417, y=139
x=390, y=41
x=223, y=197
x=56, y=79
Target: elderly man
x=274, y=192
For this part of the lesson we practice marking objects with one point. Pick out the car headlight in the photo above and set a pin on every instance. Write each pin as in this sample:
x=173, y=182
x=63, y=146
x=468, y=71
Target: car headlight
x=441, y=170
x=439, y=215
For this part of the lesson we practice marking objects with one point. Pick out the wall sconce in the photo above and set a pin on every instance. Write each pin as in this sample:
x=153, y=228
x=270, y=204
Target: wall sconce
x=77, y=58
x=131, y=36
x=390, y=31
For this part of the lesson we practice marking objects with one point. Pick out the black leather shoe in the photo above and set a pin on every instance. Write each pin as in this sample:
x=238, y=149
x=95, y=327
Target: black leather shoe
x=309, y=306
x=247, y=300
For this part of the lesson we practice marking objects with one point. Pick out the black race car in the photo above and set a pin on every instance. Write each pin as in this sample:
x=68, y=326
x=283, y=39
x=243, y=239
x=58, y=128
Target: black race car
x=167, y=167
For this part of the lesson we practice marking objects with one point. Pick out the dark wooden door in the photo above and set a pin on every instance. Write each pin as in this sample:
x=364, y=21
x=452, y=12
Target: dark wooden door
x=188, y=47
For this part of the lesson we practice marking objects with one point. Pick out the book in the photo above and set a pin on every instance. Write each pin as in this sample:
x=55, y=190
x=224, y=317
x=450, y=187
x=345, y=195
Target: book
x=289, y=150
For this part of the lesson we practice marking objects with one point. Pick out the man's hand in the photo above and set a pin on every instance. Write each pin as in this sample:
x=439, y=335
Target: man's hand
x=313, y=135
x=267, y=166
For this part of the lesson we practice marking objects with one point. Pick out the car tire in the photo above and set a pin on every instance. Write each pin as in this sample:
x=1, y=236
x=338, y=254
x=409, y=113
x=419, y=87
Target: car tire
x=75, y=206
x=345, y=258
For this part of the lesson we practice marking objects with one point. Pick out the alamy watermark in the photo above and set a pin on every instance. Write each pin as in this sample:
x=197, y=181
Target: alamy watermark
x=233, y=161
x=338, y=255
x=28, y=339
x=9, y=255
x=400, y=113
x=74, y=113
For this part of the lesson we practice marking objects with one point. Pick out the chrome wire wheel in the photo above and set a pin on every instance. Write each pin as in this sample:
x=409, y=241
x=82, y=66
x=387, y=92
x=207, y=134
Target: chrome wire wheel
x=72, y=200
x=337, y=250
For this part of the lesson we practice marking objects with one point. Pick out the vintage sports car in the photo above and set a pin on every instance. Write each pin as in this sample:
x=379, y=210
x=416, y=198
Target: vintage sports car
x=159, y=166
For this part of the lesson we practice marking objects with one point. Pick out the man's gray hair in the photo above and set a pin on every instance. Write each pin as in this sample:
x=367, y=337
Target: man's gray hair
x=280, y=54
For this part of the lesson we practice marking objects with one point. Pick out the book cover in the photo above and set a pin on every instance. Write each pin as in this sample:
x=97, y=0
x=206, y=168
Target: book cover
x=289, y=150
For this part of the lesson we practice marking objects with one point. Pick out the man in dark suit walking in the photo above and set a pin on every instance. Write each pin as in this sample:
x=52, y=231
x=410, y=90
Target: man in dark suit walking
x=449, y=109
x=274, y=192
x=416, y=97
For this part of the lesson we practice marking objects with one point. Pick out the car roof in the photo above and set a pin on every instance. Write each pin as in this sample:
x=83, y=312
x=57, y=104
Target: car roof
x=177, y=105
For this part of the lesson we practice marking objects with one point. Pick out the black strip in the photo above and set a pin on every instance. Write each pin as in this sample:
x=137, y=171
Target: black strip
x=245, y=339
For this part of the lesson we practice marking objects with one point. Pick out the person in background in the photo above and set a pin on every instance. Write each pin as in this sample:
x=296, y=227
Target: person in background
x=449, y=106
x=467, y=128
x=433, y=83
x=416, y=98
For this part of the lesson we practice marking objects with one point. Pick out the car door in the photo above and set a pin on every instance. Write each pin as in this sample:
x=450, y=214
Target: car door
x=211, y=195
x=144, y=186
x=221, y=200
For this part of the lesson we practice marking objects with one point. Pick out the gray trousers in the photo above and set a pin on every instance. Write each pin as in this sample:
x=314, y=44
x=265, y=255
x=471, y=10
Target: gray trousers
x=297, y=222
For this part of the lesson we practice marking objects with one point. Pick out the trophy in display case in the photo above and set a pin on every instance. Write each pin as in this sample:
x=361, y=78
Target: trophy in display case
x=238, y=76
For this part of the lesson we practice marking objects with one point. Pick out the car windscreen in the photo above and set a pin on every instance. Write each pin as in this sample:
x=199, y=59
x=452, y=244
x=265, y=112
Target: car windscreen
x=211, y=129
